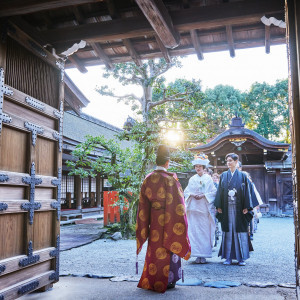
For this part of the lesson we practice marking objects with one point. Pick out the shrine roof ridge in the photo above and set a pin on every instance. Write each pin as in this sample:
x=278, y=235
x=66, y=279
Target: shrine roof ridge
x=240, y=132
x=96, y=121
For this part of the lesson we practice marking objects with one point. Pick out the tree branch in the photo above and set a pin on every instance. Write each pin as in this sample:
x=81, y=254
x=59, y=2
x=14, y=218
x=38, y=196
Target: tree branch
x=131, y=96
x=171, y=99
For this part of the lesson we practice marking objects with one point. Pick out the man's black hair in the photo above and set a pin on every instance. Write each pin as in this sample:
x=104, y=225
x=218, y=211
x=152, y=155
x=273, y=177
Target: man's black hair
x=234, y=156
x=162, y=155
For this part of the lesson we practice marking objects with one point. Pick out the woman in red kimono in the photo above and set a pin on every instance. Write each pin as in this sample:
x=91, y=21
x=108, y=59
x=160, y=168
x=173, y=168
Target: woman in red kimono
x=161, y=219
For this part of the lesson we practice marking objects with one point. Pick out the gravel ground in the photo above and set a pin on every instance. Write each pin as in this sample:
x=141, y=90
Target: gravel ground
x=271, y=261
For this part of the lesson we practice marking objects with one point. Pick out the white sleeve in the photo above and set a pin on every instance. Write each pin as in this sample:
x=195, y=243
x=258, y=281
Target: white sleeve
x=210, y=191
x=257, y=195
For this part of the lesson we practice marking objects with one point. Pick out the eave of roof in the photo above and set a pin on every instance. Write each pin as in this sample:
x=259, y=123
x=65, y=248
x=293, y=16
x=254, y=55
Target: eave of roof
x=74, y=96
x=241, y=132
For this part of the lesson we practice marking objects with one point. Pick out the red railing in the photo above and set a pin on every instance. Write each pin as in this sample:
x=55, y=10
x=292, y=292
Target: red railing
x=111, y=212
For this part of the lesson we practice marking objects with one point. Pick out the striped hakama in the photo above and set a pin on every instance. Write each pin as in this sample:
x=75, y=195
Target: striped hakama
x=234, y=245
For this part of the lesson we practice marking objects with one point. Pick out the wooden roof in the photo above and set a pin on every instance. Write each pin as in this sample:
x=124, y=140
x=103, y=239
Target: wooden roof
x=238, y=138
x=74, y=98
x=126, y=30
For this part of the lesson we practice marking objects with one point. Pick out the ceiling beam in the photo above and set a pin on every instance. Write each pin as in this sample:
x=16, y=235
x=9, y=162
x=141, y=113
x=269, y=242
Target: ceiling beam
x=111, y=6
x=163, y=49
x=78, y=63
x=187, y=50
x=135, y=57
x=101, y=54
x=230, y=41
x=206, y=17
x=160, y=20
x=29, y=29
x=21, y=7
x=201, y=34
x=196, y=44
x=267, y=38
x=97, y=48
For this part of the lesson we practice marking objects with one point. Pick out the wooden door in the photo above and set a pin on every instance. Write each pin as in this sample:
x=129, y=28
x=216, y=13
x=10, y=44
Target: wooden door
x=258, y=177
x=31, y=111
x=293, y=41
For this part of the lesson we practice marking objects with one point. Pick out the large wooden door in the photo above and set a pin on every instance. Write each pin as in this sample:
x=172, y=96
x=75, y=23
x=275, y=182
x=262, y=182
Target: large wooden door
x=31, y=111
x=258, y=177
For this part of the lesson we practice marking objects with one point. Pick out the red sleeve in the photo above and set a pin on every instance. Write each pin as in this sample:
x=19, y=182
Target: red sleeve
x=142, y=219
x=176, y=227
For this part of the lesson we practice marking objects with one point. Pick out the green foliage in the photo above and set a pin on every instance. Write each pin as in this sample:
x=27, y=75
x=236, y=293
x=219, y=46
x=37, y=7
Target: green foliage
x=264, y=109
x=112, y=228
x=148, y=75
x=220, y=104
x=269, y=110
x=183, y=160
x=184, y=114
x=124, y=168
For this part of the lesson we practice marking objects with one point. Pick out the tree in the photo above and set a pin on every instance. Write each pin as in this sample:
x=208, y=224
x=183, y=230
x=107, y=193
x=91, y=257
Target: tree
x=184, y=116
x=220, y=104
x=126, y=169
x=148, y=75
x=122, y=167
x=269, y=110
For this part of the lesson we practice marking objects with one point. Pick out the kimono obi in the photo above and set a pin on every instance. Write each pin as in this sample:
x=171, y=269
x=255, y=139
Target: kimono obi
x=156, y=205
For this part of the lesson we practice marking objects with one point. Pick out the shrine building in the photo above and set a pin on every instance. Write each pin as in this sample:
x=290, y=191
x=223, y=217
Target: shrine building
x=268, y=163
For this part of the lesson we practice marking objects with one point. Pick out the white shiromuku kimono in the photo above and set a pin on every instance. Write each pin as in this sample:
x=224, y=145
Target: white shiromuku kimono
x=257, y=195
x=200, y=215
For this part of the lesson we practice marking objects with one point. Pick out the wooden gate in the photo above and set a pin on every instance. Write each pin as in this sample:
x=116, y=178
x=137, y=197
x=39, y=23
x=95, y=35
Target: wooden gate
x=31, y=112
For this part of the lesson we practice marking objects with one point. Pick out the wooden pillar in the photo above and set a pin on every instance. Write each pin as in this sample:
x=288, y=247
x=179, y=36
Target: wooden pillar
x=278, y=191
x=266, y=195
x=98, y=190
x=68, y=200
x=293, y=40
x=215, y=164
x=78, y=198
x=90, y=192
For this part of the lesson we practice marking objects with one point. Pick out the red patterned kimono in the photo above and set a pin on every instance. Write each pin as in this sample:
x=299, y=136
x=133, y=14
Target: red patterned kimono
x=161, y=219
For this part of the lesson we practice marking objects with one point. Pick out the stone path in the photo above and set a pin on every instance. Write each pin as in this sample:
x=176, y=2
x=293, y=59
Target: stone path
x=271, y=262
x=105, y=269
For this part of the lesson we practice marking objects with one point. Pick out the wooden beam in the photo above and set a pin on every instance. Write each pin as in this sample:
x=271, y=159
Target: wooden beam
x=29, y=29
x=21, y=7
x=160, y=20
x=196, y=44
x=78, y=63
x=101, y=54
x=97, y=48
x=230, y=40
x=111, y=6
x=163, y=49
x=30, y=44
x=206, y=17
x=187, y=50
x=78, y=15
x=267, y=39
x=135, y=57
x=141, y=41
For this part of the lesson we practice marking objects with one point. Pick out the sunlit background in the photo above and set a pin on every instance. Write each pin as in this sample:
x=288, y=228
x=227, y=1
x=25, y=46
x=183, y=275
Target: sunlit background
x=249, y=66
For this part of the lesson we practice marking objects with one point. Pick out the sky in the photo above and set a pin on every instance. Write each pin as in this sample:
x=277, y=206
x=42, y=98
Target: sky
x=248, y=66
